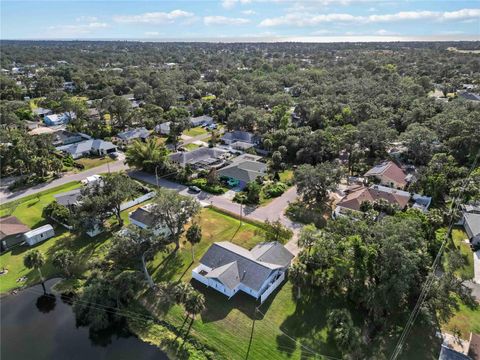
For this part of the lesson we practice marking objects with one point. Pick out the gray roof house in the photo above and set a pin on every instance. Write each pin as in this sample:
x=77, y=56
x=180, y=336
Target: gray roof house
x=202, y=157
x=144, y=218
x=201, y=120
x=244, y=171
x=132, y=134
x=239, y=136
x=471, y=223
x=163, y=128
x=88, y=147
x=229, y=268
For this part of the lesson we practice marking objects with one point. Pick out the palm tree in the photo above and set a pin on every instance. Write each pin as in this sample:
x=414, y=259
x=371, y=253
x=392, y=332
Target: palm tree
x=35, y=260
x=194, y=235
x=146, y=155
x=298, y=275
x=63, y=260
x=195, y=303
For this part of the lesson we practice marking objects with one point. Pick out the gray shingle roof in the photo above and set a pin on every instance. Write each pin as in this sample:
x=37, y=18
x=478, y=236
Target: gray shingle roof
x=245, y=171
x=243, y=136
x=472, y=221
x=68, y=198
x=200, y=154
x=233, y=264
x=134, y=134
x=273, y=253
x=143, y=216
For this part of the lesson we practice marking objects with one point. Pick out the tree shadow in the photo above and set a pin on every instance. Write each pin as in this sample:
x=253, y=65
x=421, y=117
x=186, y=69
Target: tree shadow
x=46, y=303
x=169, y=269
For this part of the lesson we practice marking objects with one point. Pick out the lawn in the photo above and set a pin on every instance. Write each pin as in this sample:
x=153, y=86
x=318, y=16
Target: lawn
x=90, y=163
x=191, y=146
x=29, y=211
x=195, y=131
x=466, y=320
x=458, y=244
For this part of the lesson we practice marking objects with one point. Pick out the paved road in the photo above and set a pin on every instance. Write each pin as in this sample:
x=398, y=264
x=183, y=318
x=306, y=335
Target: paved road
x=272, y=211
x=6, y=195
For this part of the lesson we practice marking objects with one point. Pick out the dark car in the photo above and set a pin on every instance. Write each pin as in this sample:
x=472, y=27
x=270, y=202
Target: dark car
x=194, y=189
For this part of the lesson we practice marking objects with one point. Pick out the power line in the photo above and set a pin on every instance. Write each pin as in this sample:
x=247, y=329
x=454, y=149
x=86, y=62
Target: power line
x=431, y=277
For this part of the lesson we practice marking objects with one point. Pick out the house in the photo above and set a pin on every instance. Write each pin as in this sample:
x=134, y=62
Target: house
x=244, y=169
x=446, y=353
x=69, y=86
x=358, y=194
x=389, y=174
x=63, y=137
x=471, y=223
x=163, y=128
x=41, y=112
x=128, y=136
x=40, y=234
x=11, y=232
x=58, y=119
x=229, y=268
x=201, y=120
x=88, y=147
x=68, y=199
x=201, y=158
x=144, y=218
x=235, y=136
x=466, y=95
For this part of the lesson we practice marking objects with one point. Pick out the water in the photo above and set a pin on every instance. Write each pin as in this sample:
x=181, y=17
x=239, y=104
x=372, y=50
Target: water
x=36, y=327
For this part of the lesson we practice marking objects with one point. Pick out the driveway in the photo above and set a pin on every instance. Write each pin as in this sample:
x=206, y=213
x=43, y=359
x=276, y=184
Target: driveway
x=7, y=195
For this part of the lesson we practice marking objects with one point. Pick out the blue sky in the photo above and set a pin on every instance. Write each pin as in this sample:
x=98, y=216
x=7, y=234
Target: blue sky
x=302, y=20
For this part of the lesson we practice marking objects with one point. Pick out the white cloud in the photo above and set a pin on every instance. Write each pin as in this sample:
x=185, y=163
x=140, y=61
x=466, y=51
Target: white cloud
x=151, y=33
x=307, y=19
x=248, y=12
x=153, y=17
x=383, y=32
x=75, y=30
x=228, y=4
x=223, y=20
x=86, y=19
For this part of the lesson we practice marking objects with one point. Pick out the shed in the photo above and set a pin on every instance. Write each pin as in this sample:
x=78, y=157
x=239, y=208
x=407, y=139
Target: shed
x=39, y=234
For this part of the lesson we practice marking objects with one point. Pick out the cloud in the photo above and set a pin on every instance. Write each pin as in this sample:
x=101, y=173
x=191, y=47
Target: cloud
x=306, y=19
x=229, y=4
x=153, y=17
x=151, y=33
x=75, y=30
x=223, y=20
x=86, y=19
x=383, y=32
x=248, y=12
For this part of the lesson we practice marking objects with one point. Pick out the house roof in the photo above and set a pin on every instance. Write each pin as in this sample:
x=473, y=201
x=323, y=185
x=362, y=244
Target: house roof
x=143, y=215
x=86, y=146
x=38, y=231
x=472, y=220
x=449, y=354
x=68, y=198
x=232, y=264
x=197, y=155
x=469, y=96
x=134, y=134
x=245, y=171
x=237, y=135
x=474, y=349
x=354, y=199
x=273, y=253
x=388, y=170
x=197, y=120
x=10, y=225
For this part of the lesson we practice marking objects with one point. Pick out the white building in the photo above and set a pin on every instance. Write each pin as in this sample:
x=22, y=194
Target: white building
x=229, y=268
x=144, y=218
x=40, y=234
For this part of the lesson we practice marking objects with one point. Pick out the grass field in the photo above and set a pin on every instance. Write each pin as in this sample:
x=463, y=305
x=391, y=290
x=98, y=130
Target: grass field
x=195, y=131
x=191, y=146
x=89, y=163
x=458, y=244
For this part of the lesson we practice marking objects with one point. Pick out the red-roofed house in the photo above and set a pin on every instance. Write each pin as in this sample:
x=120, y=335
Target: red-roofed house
x=389, y=174
x=11, y=231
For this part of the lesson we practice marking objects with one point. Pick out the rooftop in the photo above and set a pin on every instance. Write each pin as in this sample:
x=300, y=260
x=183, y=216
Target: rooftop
x=10, y=225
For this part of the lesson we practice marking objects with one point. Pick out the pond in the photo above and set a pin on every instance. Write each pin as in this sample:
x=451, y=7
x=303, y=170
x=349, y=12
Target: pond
x=43, y=327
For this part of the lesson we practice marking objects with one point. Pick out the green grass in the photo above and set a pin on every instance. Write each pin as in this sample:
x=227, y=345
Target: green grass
x=191, y=146
x=466, y=320
x=195, y=131
x=90, y=163
x=458, y=244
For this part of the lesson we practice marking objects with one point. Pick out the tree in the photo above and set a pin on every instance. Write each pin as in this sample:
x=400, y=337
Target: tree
x=308, y=237
x=173, y=211
x=134, y=246
x=276, y=163
x=315, y=182
x=63, y=259
x=177, y=127
x=194, y=235
x=146, y=155
x=118, y=188
x=343, y=331
x=119, y=109
x=275, y=231
x=298, y=275
x=195, y=303
x=375, y=135
x=420, y=142
x=253, y=190
x=35, y=260
x=212, y=177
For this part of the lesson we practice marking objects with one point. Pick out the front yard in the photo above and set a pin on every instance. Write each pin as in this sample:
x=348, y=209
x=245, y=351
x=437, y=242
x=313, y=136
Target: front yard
x=195, y=131
x=91, y=162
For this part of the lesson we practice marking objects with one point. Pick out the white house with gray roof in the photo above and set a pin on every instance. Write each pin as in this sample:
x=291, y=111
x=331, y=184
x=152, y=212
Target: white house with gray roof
x=471, y=222
x=232, y=137
x=201, y=158
x=88, y=147
x=229, y=268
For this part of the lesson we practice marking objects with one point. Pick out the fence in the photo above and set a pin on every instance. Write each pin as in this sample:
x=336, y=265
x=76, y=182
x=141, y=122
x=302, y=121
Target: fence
x=137, y=201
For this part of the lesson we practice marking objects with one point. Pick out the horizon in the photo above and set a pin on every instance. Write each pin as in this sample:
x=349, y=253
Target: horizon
x=241, y=20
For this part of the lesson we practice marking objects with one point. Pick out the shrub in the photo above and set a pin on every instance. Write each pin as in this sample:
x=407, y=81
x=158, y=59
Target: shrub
x=274, y=190
x=57, y=212
x=212, y=189
x=306, y=215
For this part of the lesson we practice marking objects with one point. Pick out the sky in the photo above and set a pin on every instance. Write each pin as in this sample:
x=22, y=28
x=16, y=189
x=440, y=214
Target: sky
x=241, y=20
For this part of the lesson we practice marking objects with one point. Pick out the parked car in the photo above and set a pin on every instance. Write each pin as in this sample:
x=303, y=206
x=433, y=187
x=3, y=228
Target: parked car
x=114, y=155
x=194, y=189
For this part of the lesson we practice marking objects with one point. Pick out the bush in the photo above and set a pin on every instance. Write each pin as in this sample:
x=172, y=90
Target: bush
x=274, y=190
x=240, y=197
x=212, y=189
x=306, y=215
x=57, y=212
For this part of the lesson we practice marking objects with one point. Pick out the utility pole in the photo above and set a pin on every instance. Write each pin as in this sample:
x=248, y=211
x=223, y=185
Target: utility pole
x=241, y=206
x=156, y=175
